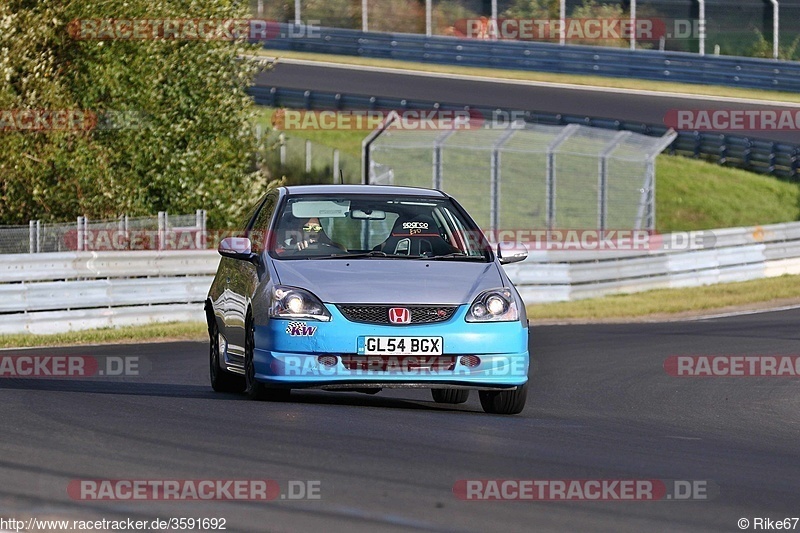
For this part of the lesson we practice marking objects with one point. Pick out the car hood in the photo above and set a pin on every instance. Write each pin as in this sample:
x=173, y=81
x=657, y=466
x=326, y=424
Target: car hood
x=390, y=281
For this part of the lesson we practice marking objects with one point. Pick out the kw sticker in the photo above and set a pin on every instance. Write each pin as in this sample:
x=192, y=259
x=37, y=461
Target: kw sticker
x=300, y=329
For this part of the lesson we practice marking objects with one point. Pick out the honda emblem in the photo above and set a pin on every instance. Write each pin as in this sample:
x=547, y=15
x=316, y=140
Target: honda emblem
x=399, y=315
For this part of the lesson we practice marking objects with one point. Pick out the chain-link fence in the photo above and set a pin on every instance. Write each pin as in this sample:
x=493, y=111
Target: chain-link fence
x=162, y=232
x=331, y=164
x=528, y=175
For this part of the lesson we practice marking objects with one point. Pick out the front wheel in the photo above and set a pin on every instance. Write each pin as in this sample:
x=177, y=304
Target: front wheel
x=450, y=395
x=221, y=379
x=253, y=389
x=507, y=402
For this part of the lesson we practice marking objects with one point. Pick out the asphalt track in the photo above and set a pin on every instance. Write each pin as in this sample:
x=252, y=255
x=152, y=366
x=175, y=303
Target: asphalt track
x=601, y=406
x=642, y=107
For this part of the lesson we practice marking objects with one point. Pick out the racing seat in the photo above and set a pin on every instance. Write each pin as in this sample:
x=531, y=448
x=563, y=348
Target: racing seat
x=418, y=236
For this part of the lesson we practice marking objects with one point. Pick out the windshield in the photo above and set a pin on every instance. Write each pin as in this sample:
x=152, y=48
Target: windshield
x=362, y=226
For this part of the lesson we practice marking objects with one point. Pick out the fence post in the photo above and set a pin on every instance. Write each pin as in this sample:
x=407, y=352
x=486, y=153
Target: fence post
x=336, y=166
x=650, y=219
x=205, y=229
x=79, y=234
x=701, y=26
x=31, y=237
x=437, y=157
x=602, y=178
x=162, y=217
x=494, y=179
x=126, y=229
x=115, y=239
x=366, y=145
x=38, y=236
x=428, y=18
x=282, y=140
x=200, y=229
x=550, y=183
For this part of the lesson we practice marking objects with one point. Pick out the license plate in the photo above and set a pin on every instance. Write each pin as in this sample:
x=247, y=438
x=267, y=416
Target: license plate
x=400, y=345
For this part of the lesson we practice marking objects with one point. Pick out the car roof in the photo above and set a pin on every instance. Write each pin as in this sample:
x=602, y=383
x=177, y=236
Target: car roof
x=389, y=190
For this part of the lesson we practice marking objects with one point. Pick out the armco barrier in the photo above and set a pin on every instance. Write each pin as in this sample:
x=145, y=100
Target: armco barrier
x=547, y=57
x=739, y=254
x=758, y=155
x=56, y=292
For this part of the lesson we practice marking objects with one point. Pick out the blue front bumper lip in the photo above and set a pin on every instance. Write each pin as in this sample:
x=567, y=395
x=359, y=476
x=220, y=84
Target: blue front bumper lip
x=287, y=354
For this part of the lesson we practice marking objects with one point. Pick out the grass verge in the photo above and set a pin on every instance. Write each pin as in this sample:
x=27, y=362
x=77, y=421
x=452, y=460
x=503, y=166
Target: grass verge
x=169, y=331
x=694, y=195
x=668, y=304
x=572, y=79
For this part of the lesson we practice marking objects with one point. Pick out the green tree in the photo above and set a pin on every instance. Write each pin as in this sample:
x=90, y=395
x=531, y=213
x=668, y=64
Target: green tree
x=533, y=9
x=592, y=10
x=189, y=145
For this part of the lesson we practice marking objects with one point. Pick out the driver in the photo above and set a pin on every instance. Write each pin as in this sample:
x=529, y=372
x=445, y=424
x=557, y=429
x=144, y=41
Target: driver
x=312, y=233
x=309, y=233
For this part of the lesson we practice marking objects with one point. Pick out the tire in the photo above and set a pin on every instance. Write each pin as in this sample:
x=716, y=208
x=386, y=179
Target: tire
x=450, y=395
x=507, y=402
x=221, y=380
x=253, y=389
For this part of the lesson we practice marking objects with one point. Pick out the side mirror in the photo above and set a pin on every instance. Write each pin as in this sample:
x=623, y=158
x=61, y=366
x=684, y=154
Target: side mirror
x=515, y=257
x=238, y=248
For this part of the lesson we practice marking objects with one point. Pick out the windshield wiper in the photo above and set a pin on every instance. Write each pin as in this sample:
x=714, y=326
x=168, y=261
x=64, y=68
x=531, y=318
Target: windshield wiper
x=459, y=256
x=371, y=253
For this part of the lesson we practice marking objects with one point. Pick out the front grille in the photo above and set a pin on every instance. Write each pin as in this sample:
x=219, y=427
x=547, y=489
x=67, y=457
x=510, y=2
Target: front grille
x=400, y=363
x=379, y=314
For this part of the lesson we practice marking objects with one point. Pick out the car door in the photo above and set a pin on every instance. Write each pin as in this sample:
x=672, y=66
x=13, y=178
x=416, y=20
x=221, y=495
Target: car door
x=243, y=278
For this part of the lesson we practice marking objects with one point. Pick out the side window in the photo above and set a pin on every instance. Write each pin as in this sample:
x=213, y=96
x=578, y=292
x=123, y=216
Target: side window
x=259, y=233
x=244, y=225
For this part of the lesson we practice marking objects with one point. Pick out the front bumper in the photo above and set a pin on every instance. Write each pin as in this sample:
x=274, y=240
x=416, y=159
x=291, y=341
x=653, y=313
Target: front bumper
x=288, y=354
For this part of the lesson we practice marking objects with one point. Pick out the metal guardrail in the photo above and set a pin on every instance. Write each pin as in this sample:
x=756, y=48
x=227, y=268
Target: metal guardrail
x=547, y=57
x=63, y=291
x=757, y=155
x=739, y=254
x=54, y=292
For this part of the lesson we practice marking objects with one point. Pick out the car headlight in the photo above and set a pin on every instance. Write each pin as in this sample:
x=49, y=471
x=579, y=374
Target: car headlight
x=294, y=303
x=494, y=305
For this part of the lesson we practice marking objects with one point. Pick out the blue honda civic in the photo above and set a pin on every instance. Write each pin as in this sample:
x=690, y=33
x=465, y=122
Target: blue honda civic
x=361, y=288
